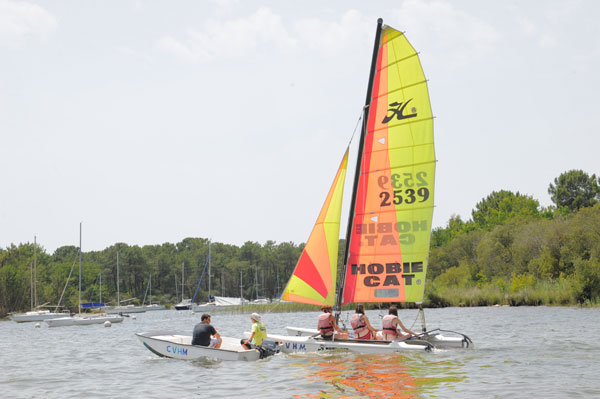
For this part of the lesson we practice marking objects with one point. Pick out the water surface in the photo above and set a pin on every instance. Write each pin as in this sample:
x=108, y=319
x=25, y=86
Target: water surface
x=519, y=352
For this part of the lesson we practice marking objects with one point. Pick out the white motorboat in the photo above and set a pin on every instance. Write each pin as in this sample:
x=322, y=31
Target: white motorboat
x=434, y=337
x=36, y=315
x=303, y=344
x=179, y=346
x=83, y=320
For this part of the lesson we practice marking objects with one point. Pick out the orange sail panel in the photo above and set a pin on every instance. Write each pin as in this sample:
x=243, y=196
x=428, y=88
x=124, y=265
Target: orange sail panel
x=314, y=278
x=389, y=244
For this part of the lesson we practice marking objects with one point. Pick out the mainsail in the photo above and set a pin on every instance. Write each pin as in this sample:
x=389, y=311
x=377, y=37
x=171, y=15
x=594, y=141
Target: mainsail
x=314, y=278
x=391, y=220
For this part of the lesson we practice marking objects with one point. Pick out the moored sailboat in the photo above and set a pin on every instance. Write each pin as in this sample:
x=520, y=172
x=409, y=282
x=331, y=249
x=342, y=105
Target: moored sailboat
x=81, y=319
x=389, y=222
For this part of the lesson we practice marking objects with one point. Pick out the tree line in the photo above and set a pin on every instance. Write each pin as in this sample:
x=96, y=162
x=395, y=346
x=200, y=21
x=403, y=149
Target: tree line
x=511, y=251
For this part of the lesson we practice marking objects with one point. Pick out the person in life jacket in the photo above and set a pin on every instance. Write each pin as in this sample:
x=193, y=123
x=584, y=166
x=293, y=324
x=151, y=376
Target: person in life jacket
x=327, y=325
x=259, y=333
x=361, y=326
x=391, y=322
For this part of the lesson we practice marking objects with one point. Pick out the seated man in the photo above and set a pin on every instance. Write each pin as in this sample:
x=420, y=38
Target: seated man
x=205, y=334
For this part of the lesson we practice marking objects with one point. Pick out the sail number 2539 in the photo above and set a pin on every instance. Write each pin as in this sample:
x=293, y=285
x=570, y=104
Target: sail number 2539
x=408, y=188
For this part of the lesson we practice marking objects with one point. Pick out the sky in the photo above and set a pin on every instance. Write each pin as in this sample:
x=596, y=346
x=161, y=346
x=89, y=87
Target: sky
x=153, y=121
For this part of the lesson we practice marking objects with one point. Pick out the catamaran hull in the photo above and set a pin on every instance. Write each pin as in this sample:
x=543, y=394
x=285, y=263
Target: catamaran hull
x=82, y=320
x=290, y=344
x=178, y=346
x=436, y=339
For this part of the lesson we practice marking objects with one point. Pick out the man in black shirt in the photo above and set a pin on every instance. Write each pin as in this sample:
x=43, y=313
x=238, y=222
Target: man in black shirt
x=205, y=334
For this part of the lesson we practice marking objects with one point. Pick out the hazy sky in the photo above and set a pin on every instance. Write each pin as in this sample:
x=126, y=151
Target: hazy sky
x=152, y=121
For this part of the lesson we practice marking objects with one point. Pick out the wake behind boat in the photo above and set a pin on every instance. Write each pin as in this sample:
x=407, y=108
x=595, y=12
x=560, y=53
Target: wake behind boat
x=179, y=346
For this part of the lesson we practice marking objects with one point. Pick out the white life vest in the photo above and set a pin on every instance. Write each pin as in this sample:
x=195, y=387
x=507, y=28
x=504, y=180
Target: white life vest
x=388, y=325
x=357, y=325
x=325, y=326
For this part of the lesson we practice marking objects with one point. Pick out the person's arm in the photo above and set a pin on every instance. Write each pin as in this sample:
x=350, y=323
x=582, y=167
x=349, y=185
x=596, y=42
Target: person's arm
x=369, y=326
x=404, y=328
x=334, y=324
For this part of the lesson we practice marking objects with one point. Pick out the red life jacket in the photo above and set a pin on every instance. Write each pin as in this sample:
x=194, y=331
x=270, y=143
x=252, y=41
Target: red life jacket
x=325, y=326
x=388, y=326
x=357, y=325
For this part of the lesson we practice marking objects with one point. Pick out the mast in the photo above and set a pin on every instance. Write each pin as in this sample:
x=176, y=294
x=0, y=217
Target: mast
x=80, y=267
x=31, y=283
x=118, y=294
x=100, y=286
x=182, y=280
x=363, y=132
x=209, y=271
x=150, y=288
x=35, y=300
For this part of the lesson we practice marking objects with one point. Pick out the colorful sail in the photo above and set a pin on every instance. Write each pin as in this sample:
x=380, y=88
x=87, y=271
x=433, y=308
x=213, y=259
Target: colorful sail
x=391, y=227
x=314, y=278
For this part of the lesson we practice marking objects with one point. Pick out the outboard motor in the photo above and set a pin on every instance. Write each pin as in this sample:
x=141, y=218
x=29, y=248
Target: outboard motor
x=268, y=348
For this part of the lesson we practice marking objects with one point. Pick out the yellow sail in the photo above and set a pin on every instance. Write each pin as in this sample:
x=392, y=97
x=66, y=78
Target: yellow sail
x=314, y=278
x=391, y=226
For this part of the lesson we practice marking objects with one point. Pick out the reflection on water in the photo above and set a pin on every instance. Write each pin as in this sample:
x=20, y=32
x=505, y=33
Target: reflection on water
x=372, y=376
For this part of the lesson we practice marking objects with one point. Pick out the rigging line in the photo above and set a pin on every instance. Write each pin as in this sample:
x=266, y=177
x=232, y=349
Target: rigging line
x=360, y=116
x=68, y=278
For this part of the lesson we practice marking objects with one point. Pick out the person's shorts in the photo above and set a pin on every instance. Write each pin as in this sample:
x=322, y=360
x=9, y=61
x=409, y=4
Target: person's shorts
x=327, y=337
x=214, y=342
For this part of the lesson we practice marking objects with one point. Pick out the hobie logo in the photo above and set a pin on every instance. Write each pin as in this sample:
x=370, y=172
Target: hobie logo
x=397, y=110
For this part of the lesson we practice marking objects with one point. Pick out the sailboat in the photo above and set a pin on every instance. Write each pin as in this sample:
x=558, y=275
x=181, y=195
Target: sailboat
x=35, y=314
x=152, y=306
x=82, y=319
x=389, y=221
x=185, y=304
x=123, y=309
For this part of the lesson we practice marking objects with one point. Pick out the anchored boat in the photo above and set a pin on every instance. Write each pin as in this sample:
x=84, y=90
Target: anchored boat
x=389, y=221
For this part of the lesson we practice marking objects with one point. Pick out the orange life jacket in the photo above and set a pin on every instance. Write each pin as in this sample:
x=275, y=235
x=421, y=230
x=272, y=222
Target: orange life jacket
x=325, y=326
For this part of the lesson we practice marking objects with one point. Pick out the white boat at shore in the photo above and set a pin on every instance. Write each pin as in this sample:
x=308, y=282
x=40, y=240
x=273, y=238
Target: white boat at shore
x=179, y=346
x=434, y=337
x=126, y=309
x=154, y=306
x=83, y=320
x=36, y=315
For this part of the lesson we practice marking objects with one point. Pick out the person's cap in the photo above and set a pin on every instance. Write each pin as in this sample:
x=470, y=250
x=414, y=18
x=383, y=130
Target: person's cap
x=255, y=316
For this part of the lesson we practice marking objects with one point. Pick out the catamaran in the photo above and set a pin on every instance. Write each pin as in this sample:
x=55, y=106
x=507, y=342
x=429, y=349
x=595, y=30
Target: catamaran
x=389, y=222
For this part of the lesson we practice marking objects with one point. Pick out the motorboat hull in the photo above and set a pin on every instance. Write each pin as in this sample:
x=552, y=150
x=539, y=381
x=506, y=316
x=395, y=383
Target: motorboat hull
x=179, y=346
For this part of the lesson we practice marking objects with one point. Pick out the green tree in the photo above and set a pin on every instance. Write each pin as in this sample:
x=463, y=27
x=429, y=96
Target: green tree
x=501, y=206
x=574, y=189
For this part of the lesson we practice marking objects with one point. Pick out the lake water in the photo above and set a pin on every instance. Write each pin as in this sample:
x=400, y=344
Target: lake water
x=522, y=352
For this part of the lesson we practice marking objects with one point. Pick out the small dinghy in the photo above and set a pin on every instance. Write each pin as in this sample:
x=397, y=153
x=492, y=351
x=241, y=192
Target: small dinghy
x=179, y=346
